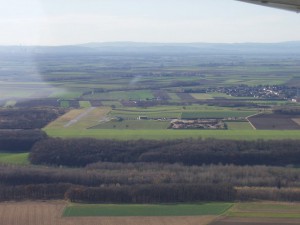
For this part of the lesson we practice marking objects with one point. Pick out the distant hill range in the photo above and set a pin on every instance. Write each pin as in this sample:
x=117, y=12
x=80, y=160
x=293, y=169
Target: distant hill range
x=158, y=48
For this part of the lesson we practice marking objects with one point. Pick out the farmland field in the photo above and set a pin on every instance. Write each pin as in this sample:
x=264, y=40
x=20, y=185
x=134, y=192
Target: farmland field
x=261, y=213
x=200, y=209
x=50, y=213
x=66, y=94
x=112, y=103
x=85, y=104
x=274, y=122
x=80, y=118
x=216, y=114
x=239, y=126
x=14, y=158
x=202, y=96
x=157, y=112
x=265, y=210
x=91, y=117
x=66, y=118
x=121, y=95
x=185, y=97
x=255, y=221
x=187, y=112
x=31, y=213
x=103, y=118
x=210, y=96
x=134, y=124
x=174, y=96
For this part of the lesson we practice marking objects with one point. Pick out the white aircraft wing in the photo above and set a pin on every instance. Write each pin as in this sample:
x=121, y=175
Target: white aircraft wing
x=291, y=5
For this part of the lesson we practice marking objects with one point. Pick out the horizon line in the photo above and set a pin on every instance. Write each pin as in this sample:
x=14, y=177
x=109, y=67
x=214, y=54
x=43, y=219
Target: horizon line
x=140, y=42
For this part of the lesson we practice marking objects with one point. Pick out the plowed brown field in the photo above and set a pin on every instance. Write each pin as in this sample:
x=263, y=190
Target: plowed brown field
x=256, y=221
x=49, y=213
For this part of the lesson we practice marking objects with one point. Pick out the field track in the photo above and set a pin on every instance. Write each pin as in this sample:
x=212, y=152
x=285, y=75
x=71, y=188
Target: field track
x=49, y=213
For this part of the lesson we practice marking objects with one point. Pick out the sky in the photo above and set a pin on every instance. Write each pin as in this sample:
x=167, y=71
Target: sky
x=67, y=22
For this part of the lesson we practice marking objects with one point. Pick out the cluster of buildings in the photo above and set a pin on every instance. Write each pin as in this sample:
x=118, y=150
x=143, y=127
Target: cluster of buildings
x=198, y=124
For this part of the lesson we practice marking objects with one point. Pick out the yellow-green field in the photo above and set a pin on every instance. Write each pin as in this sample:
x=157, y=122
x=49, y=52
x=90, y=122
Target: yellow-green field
x=14, y=158
x=239, y=126
x=80, y=118
x=203, y=96
x=134, y=125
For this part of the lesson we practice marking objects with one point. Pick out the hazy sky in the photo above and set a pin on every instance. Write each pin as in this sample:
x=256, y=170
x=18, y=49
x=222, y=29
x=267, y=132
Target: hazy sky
x=57, y=22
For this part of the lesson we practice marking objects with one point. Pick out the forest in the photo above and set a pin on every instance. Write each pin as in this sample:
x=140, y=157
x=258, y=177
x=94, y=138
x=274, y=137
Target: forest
x=20, y=140
x=80, y=152
x=149, y=183
x=33, y=118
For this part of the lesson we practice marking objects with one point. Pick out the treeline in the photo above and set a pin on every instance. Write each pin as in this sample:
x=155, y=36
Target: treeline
x=269, y=194
x=149, y=183
x=33, y=192
x=155, y=193
x=107, y=174
x=28, y=118
x=20, y=140
x=125, y=194
x=81, y=152
x=146, y=193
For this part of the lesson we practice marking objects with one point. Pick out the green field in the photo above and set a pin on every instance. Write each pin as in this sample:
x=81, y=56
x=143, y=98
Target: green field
x=202, y=96
x=174, y=96
x=150, y=115
x=80, y=210
x=173, y=134
x=14, y=158
x=134, y=124
x=85, y=104
x=239, y=126
x=111, y=103
x=154, y=112
x=122, y=95
x=216, y=114
x=192, y=111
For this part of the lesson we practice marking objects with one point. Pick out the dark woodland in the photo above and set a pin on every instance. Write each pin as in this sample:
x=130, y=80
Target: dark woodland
x=80, y=152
